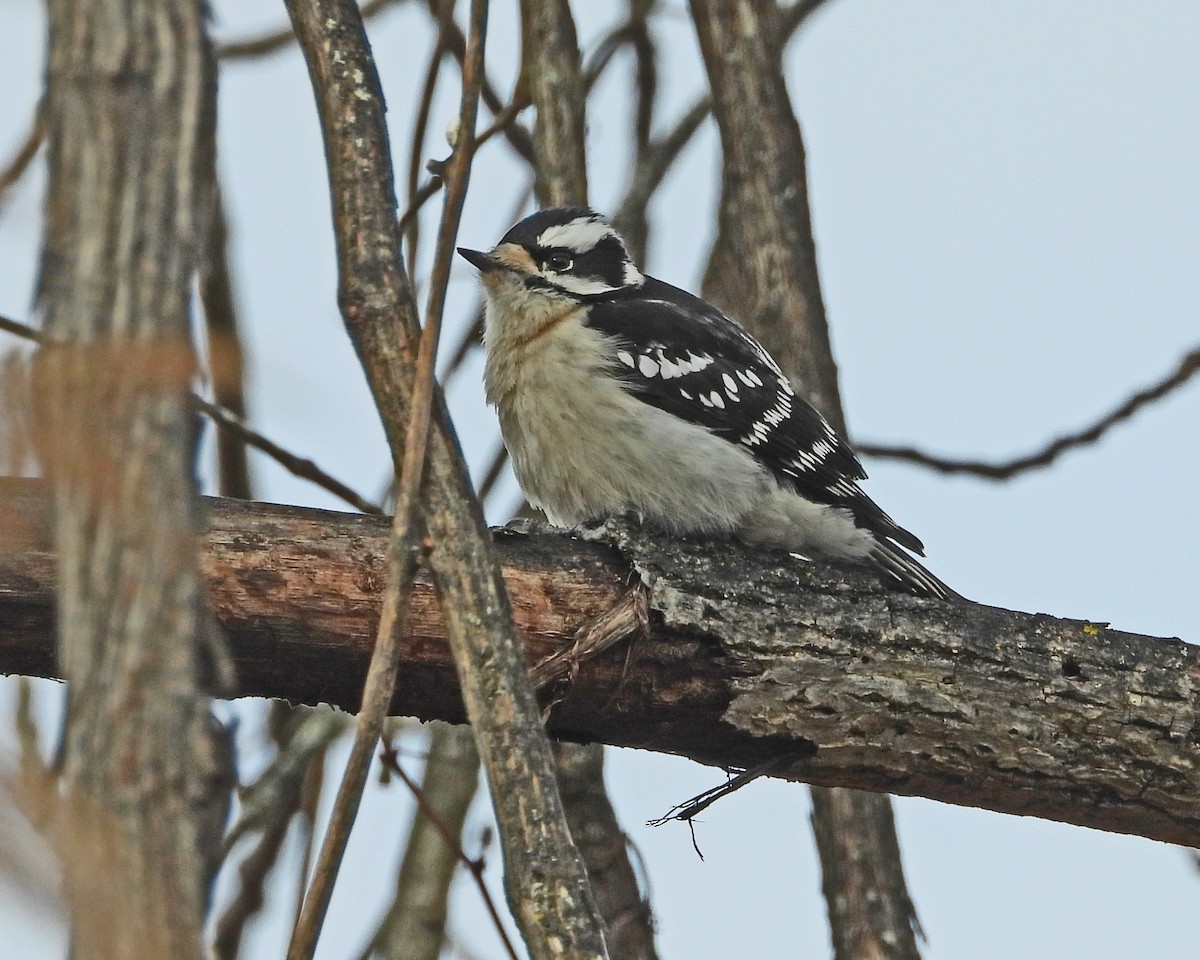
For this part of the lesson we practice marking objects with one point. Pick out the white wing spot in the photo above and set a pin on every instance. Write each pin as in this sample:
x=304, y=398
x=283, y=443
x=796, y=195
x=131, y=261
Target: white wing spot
x=730, y=384
x=669, y=369
x=717, y=400
x=754, y=378
x=647, y=366
x=687, y=396
x=704, y=400
x=626, y=358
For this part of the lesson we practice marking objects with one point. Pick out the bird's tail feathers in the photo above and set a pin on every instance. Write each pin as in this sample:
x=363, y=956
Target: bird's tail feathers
x=894, y=563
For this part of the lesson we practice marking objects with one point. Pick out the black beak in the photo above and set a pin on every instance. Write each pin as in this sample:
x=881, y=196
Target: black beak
x=485, y=262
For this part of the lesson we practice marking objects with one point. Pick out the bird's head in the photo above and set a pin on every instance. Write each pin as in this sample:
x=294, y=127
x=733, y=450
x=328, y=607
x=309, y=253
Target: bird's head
x=565, y=253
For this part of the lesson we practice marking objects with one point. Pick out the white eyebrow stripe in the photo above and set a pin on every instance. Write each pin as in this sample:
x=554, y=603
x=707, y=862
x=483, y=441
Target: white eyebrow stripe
x=580, y=235
x=580, y=285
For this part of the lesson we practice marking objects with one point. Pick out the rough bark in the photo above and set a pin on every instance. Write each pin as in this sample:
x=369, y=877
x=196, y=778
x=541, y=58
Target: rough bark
x=129, y=113
x=750, y=657
x=545, y=878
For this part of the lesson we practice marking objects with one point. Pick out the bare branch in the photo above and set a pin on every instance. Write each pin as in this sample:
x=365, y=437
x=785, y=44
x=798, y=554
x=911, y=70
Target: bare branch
x=226, y=358
x=450, y=841
x=227, y=420
x=298, y=466
x=517, y=136
x=269, y=806
x=764, y=198
x=401, y=561
x=416, y=151
x=1007, y=469
x=12, y=171
x=604, y=846
x=546, y=883
x=750, y=656
x=862, y=876
x=550, y=79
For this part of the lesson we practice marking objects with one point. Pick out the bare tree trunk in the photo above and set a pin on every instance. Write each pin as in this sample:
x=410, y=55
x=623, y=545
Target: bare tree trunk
x=551, y=77
x=130, y=123
x=605, y=848
x=764, y=265
x=862, y=875
x=764, y=269
x=551, y=81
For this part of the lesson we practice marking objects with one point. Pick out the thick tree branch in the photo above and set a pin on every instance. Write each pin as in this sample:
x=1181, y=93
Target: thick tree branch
x=749, y=658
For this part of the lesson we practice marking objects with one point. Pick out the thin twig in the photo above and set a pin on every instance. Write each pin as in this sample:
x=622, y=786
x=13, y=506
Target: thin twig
x=1008, y=469
x=419, y=199
x=226, y=355
x=517, y=136
x=474, y=865
x=268, y=807
x=501, y=122
x=659, y=156
x=298, y=466
x=23, y=157
x=277, y=40
x=416, y=150
x=22, y=330
x=690, y=809
x=408, y=220
x=401, y=559
x=228, y=420
x=493, y=474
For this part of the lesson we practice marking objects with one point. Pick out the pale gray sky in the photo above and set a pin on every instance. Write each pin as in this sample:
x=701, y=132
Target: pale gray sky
x=1007, y=214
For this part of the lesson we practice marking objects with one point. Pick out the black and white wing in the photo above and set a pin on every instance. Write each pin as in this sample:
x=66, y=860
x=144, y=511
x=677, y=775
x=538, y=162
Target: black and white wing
x=680, y=354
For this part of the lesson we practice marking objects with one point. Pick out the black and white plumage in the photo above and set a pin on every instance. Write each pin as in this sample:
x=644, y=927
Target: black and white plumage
x=618, y=392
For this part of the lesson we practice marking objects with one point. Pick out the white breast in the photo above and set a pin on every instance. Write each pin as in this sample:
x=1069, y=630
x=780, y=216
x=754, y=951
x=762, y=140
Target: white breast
x=582, y=447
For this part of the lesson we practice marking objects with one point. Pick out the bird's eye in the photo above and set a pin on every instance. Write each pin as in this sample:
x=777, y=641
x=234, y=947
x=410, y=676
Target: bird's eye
x=558, y=263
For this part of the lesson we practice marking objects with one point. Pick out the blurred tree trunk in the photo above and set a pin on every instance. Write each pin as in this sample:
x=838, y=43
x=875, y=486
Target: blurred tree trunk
x=763, y=269
x=130, y=111
x=414, y=927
